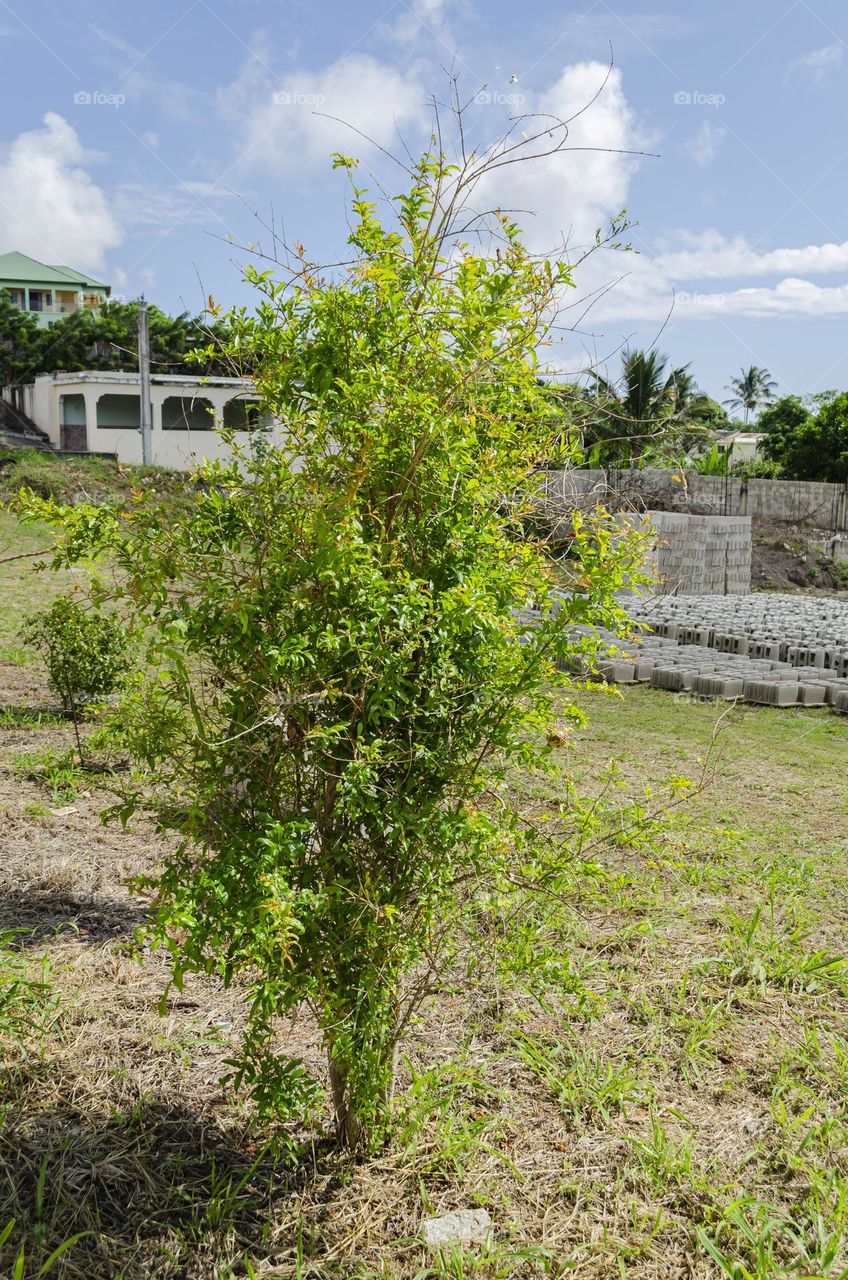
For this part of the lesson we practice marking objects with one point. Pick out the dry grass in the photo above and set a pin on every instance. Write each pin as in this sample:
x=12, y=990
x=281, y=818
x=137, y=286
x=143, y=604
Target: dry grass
x=695, y=1058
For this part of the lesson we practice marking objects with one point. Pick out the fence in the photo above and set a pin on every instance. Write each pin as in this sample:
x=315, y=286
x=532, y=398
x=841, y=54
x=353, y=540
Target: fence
x=802, y=502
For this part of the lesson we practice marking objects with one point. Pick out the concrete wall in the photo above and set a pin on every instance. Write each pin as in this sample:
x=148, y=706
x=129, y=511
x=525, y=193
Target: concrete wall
x=822, y=506
x=111, y=418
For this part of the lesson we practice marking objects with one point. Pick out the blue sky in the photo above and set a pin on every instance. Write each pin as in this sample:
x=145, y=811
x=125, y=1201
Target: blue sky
x=134, y=139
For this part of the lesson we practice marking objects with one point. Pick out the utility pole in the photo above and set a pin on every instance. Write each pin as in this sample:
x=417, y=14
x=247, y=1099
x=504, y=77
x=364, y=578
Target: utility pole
x=144, y=379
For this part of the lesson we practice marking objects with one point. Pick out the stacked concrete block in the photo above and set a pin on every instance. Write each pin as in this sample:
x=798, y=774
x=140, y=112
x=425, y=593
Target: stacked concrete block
x=697, y=554
x=811, y=695
x=617, y=672
x=716, y=686
x=776, y=693
x=781, y=651
x=776, y=650
x=672, y=678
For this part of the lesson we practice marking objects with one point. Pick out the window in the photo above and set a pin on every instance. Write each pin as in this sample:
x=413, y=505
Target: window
x=245, y=415
x=40, y=299
x=119, y=412
x=18, y=299
x=187, y=413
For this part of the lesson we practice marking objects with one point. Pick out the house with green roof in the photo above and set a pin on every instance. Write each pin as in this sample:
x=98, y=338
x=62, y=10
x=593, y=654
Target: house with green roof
x=49, y=292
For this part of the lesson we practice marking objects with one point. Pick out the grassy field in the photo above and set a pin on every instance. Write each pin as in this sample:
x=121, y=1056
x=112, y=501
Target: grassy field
x=677, y=1106
x=92, y=479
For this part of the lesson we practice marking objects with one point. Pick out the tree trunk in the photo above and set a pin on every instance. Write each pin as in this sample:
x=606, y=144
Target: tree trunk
x=352, y=1132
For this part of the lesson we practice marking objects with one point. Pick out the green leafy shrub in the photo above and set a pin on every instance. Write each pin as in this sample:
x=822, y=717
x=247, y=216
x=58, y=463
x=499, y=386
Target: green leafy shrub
x=84, y=651
x=344, y=683
x=712, y=463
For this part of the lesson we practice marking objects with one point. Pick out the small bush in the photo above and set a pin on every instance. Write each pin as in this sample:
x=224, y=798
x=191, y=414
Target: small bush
x=58, y=771
x=85, y=652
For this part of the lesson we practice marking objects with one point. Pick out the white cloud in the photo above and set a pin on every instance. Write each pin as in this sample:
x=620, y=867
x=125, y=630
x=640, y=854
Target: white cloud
x=420, y=18
x=146, y=205
x=823, y=63
x=654, y=283
x=592, y=32
x=573, y=193
x=136, y=79
x=704, y=147
x=567, y=196
x=563, y=199
x=711, y=255
x=287, y=124
x=790, y=297
x=559, y=198
x=50, y=208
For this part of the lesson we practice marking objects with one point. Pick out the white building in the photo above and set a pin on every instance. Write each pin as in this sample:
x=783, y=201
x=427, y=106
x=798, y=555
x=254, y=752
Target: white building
x=100, y=412
x=743, y=446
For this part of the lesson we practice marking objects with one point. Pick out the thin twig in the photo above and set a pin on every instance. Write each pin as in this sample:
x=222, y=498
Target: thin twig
x=27, y=555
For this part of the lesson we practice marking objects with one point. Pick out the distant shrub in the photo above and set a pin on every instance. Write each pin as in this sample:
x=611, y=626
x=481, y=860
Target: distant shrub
x=757, y=469
x=84, y=651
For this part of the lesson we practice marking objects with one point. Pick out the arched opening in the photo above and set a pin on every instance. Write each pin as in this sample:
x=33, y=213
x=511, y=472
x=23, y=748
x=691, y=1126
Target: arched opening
x=187, y=413
x=119, y=412
x=243, y=414
x=72, y=433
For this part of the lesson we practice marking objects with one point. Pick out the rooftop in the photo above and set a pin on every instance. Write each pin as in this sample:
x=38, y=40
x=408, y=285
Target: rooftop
x=16, y=268
x=131, y=378
x=740, y=437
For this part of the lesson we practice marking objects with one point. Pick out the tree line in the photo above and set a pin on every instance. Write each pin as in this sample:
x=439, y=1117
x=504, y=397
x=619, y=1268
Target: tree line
x=108, y=340
x=654, y=414
x=657, y=415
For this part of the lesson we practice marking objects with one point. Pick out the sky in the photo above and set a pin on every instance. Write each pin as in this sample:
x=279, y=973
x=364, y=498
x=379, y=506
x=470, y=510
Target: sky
x=151, y=145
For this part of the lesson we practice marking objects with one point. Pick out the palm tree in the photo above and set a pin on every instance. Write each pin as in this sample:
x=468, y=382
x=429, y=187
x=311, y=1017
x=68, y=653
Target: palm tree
x=645, y=406
x=683, y=389
x=752, y=388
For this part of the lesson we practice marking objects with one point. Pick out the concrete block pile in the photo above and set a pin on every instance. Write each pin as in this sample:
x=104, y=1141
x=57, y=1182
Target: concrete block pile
x=778, y=650
x=697, y=554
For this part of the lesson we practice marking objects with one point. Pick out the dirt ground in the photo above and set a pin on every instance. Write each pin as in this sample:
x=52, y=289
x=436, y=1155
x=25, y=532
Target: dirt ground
x=693, y=1057
x=676, y=1107
x=789, y=557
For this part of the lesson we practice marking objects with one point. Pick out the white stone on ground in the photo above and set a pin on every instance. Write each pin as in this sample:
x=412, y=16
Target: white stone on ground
x=465, y=1226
